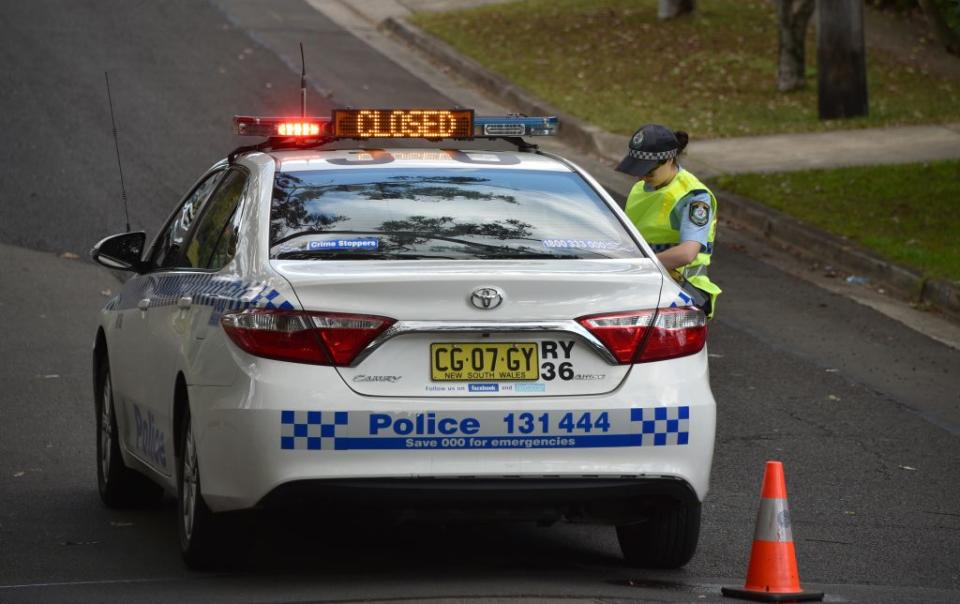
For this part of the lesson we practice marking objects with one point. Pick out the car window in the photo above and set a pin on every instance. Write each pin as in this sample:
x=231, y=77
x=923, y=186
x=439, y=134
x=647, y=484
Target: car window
x=400, y=213
x=203, y=245
x=227, y=245
x=166, y=250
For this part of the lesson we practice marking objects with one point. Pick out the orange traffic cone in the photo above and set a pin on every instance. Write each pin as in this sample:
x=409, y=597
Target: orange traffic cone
x=772, y=575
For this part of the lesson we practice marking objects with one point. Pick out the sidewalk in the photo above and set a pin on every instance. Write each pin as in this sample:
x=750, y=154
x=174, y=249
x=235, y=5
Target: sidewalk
x=789, y=152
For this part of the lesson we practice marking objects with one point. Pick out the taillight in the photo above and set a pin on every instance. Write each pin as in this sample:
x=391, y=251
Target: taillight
x=649, y=335
x=319, y=338
x=622, y=333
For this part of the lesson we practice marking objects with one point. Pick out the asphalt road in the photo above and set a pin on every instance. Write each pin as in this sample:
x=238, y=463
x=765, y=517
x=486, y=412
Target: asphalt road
x=863, y=411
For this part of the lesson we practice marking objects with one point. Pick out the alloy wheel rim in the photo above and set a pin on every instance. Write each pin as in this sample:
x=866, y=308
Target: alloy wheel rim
x=189, y=499
x=106, y=429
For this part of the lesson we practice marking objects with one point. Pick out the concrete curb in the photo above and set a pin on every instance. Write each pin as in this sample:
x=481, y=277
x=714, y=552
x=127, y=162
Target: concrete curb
x=772, y=224
x=801, y=238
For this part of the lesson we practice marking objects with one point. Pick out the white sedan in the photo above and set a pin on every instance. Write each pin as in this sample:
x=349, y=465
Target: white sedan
x=401, y=328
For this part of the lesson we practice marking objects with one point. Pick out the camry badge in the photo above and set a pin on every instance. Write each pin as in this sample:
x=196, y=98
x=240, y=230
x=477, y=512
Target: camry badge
x=486, y=298
x=390, y=379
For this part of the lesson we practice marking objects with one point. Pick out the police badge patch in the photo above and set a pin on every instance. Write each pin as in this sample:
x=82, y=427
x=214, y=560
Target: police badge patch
x=699, y=213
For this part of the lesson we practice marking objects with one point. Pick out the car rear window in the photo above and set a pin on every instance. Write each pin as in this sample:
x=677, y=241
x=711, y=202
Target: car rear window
x=462, y=213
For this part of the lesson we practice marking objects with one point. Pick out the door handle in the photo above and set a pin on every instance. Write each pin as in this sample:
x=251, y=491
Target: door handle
x=184, y=302
x=144, y=304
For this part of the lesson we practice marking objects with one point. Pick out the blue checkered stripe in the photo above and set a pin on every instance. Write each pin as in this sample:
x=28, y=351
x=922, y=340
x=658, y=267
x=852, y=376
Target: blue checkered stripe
x=665, y=425
x=683, y=299
x=221, y=293
x=271, y=299
x=307, y=429
x=206, y=290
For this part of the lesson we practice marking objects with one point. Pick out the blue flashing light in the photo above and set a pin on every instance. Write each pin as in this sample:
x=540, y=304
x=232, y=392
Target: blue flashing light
x=512, y=125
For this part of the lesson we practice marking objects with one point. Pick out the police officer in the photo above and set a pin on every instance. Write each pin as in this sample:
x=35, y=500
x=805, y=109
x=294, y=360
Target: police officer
x=673, y=210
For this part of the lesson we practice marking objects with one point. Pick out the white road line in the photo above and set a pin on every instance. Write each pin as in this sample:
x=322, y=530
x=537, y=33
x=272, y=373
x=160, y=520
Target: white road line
x=101, y=582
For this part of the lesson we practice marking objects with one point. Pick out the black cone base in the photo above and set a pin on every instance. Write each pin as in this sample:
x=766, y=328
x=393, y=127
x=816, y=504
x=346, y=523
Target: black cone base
x=766, y=596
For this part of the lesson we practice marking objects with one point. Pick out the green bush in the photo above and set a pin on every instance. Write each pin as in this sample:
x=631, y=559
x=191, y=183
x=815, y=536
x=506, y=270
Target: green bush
x=951, y=12
x=949, y=8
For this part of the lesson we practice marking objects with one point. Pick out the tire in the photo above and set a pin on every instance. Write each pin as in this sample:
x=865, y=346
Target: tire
x=196, y=525
x=668, y=539
x=119, y=486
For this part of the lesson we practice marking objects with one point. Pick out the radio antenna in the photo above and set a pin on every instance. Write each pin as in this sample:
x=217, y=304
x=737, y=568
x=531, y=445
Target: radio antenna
x=116, y=143
x=303, y=84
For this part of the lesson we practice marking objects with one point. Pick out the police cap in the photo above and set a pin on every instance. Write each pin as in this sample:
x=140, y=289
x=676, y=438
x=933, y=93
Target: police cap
x=649, y=146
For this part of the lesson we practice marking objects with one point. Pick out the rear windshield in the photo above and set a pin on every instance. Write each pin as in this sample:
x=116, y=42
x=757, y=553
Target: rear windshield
x=463, y=213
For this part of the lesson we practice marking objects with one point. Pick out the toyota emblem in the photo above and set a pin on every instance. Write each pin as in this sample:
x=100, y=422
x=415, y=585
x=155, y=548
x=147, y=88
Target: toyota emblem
x=486, y=298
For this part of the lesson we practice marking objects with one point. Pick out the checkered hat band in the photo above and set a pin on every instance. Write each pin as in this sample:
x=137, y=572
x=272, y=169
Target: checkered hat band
x=648, y=155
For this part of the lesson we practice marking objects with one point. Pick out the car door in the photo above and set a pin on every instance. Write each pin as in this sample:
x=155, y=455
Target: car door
x=181, y=313
x=134, y=355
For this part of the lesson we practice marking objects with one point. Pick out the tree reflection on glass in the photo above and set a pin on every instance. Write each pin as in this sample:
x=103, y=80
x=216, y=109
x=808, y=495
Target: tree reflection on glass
x=417, y=230
x=294, y=209
x=289, y=213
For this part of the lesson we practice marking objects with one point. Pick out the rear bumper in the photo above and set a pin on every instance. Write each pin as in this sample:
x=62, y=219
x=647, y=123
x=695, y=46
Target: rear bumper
x=248, y=457
x=613, y=501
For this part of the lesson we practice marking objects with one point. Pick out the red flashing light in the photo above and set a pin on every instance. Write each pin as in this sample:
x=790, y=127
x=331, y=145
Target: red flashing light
x=298, y=129
x=307, y=127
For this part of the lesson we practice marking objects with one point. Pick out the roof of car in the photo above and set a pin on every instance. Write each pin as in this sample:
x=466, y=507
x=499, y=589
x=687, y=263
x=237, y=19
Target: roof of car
x=294, y=160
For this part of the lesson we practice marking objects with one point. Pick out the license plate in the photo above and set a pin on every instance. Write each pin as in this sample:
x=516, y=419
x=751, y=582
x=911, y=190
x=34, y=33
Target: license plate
x=469, y=362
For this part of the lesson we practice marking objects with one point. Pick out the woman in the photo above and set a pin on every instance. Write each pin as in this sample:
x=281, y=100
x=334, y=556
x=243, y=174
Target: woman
x=673, y=210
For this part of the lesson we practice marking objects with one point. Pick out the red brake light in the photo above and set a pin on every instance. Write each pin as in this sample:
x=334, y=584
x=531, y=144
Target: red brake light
x=303, y=337
x=622, y=333
x=345, y=335
x=677, y=332
x=649, y=335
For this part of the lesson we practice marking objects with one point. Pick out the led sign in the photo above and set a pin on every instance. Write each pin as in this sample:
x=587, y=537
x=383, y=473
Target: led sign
x=403, y=123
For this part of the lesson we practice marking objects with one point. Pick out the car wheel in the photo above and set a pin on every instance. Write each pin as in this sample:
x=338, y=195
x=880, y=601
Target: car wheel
x=119, y=486
x=668, y=539
x=197, y=524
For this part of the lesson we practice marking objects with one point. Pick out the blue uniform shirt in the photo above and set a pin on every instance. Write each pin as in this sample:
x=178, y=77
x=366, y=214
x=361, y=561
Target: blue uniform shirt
x=689, y=230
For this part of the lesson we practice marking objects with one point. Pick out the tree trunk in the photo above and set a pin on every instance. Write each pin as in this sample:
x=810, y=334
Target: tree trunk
x=841, y=59
x=794, y=17
x=946, y=36
x=669, y=9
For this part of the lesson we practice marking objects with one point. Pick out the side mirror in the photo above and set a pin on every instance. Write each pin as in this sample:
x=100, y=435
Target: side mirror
x=121, y=251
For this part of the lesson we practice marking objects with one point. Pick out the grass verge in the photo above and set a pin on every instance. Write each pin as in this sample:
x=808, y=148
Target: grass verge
x=612, y=63
x=909, y=214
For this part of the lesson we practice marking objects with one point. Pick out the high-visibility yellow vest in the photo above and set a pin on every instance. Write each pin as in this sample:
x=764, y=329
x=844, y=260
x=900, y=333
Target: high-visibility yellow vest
x=650, y=212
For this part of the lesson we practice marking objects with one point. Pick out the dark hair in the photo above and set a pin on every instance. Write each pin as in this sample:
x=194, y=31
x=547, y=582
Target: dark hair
x=682, y=139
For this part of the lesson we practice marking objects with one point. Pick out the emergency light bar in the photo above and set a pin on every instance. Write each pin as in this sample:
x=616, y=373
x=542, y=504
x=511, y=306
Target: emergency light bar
x=431, y=124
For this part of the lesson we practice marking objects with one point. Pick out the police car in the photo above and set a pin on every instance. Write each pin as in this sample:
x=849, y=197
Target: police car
x=442, y=329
